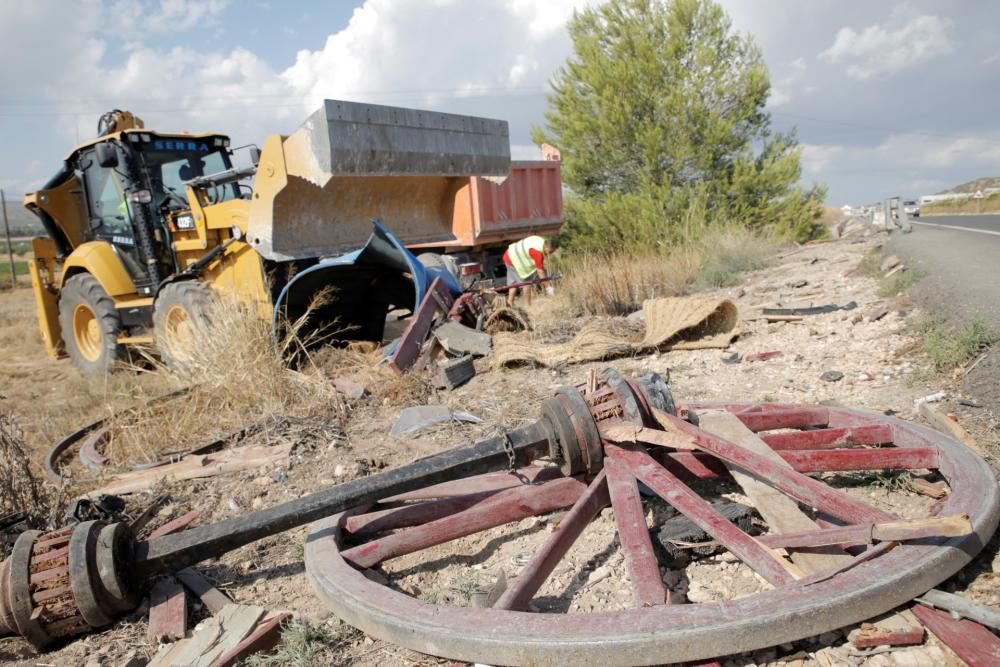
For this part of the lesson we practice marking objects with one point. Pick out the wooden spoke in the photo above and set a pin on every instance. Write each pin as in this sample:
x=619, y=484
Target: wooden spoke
x=544, y=560
x=680, y=496
x=500, y=508
x=633, y=533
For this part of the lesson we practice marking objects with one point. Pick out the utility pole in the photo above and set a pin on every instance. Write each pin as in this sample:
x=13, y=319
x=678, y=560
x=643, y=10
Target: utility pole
x=10, y=248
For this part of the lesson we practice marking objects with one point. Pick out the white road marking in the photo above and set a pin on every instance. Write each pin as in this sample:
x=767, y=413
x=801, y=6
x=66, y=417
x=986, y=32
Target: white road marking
x=964, y=229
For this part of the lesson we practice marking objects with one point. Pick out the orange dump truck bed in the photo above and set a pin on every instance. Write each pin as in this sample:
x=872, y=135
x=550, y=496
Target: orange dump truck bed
x=488, y=214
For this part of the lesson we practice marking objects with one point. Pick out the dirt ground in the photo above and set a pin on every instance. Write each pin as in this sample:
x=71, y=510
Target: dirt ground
x=880, y=373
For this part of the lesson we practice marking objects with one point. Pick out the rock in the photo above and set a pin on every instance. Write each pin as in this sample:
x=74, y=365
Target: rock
x=831, y=376
x=599, y=574
x=351, y=390
x=340, y=470
x=888, y=263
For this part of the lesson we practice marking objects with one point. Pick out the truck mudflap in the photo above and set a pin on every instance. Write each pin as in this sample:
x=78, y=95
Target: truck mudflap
x=347, y=298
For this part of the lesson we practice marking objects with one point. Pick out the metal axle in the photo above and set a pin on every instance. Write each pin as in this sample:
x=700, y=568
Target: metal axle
x=82, y=577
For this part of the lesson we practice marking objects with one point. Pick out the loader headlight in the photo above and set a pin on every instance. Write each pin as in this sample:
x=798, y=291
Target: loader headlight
x=184, y=222
x=140, y=196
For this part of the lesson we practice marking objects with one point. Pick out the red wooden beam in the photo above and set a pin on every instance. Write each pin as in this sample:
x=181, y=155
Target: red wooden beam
x=437, y=300
x=887, y=458
x=696, y=508
x=973, y=643
x=700, y=465
x=633, y=534
x=264, y=637
x=491, y=481
x=178, y=524
x=167, y=611
x=410, y=515
x=500, y=508
x=830, y=438
x=766, y=420
x=520, y=591
x=804, y=489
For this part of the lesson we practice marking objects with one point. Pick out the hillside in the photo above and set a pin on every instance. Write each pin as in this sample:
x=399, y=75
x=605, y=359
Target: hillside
x=22, y=222
x=971, y=186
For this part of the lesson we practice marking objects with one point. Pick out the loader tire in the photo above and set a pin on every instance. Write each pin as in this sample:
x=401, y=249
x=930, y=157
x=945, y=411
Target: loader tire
x=180, y=314
x=90, y=325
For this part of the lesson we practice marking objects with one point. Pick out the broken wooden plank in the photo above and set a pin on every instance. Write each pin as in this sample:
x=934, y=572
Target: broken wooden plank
x=264, y=637
x=966, y=608
x=455, y=372
x=781, y=513
x=870, y=635
x=195, y=466
x=167, y=611
x=810, y=310
x=973, y=643
x=941, y=422
x=459, y=339
x=437, y=301
x=180, y=523
x=218, y=635
x=935, y=490
x=210, y=596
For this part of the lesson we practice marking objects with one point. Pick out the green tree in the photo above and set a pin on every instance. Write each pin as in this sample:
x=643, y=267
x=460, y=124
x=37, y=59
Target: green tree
x=660, y=118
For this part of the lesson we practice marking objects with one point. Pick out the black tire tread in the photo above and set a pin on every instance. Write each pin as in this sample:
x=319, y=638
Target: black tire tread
x=84, y=288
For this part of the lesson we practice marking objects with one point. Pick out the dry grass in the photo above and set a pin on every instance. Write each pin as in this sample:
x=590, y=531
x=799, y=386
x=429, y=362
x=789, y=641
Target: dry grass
x=237, y=376
x=21, y=490
x=617, y=282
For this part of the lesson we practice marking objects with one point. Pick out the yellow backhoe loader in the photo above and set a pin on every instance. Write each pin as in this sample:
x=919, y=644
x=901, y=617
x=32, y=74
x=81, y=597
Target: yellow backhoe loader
x=142, y=225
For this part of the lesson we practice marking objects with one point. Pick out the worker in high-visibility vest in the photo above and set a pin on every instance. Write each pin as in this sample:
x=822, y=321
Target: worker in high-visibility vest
x=525, y=261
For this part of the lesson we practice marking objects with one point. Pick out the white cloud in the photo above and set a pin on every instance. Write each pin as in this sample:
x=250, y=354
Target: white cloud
x=163, y=16
x=815, y=158
x=876, y=52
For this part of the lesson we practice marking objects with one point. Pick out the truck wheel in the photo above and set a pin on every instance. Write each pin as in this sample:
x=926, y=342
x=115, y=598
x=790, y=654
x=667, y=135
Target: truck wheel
x=90, y=325
x=179, y=315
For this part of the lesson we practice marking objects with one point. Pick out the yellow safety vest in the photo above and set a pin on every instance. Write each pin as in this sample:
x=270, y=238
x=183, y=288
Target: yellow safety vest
x=521, y=259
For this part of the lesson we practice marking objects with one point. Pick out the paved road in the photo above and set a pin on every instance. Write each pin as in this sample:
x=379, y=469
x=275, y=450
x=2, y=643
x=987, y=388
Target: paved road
x=961, y=257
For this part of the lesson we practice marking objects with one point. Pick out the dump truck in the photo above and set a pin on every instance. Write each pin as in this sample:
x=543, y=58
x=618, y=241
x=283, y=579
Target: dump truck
x=145, y=227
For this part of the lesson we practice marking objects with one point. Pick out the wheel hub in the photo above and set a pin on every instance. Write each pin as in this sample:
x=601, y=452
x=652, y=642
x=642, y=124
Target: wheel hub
x=87, y=332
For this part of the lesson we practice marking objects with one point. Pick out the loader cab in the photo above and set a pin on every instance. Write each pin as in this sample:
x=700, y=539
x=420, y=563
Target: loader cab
x=135, y=188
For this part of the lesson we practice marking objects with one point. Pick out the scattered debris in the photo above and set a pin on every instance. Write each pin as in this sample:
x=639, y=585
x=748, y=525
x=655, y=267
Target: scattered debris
x=458, y=339
x=731, y=358
x=195, y=466
x=763, y=356
x=877, y=313
x=418, y=417
x=455, y=372
x=681, y=536
x=979, y=613
x=167, y=611
x=870, y=635
x=973, y=643
x=831, y=376
x=932, y=489
x=671, y=324
x=810, y=310
x=214, y=640
x=352, y=390
x=930, y=398
x=889, y=262
x=945, y=425
x=432, y=309
x=509, y=319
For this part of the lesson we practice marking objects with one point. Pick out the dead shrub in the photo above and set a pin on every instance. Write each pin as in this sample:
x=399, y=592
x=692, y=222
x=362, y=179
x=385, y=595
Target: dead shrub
x=20, y=489
x=236, y=375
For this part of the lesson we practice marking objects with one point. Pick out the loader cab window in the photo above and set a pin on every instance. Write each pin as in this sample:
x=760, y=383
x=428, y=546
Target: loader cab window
x=108, y=212
x=171, y=163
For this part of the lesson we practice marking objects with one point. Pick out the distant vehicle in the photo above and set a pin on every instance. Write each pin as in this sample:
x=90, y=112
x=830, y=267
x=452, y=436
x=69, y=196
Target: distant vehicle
x=912, y=208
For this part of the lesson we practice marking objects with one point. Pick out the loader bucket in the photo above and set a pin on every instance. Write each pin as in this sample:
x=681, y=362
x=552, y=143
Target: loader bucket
x=362, y=286
x=317, y=190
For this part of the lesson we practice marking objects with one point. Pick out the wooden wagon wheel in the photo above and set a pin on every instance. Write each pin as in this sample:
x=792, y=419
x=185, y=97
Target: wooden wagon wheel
x=892, y=561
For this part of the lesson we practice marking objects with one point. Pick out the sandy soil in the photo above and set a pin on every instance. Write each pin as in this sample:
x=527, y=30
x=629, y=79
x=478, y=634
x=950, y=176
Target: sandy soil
x=879, y=374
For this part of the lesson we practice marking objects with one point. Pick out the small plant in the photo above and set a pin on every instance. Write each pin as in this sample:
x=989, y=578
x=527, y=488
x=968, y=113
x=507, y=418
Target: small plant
x=899, y=282
x=948, y=348
x=871, y=265
x=302, y=642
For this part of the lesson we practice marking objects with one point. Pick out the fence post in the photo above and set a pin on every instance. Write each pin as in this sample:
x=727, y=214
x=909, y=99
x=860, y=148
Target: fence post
x=10, y=248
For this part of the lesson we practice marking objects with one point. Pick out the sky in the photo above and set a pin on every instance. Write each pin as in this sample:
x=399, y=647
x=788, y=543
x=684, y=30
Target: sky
x=886, y=98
